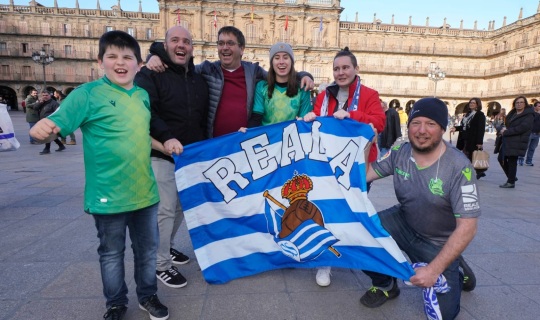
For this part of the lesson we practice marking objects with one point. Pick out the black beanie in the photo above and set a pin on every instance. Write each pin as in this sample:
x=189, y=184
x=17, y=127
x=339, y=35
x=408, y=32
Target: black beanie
x=431, y=108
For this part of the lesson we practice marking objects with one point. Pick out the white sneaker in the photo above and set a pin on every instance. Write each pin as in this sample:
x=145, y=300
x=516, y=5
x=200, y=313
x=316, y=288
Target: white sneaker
x=323, y=276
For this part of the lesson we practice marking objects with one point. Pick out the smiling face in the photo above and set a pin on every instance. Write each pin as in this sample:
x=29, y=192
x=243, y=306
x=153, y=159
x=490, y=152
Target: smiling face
x=425, y=134
x=120, y=66
x=282, y=64
x=344, y=71
x=229, y=51
x=178, y=44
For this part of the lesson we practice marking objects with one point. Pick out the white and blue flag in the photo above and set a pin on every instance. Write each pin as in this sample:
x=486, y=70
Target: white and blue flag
x=289, y=195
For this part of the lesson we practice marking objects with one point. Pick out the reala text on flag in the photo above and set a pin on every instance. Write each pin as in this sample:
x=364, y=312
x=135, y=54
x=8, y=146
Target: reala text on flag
x=289, y=195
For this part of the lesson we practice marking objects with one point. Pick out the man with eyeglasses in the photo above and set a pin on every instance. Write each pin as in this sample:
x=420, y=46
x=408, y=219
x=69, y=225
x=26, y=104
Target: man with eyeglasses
x=533, y=138
x=231, y=82
x=179, y=108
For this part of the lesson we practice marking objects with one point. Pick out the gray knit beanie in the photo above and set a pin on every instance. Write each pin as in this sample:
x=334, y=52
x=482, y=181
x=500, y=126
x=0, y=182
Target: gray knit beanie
x=281, y=47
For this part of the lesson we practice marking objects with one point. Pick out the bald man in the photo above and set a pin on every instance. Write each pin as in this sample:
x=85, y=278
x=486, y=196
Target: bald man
x=179, y=105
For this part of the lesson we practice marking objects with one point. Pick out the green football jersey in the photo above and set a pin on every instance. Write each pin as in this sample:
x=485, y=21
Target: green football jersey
x=115, y=123
x=281, y=107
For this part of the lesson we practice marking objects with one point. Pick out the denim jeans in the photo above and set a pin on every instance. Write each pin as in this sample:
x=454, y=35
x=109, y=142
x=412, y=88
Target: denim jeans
x=419, y=249
x=533, y=143
x=31, y=124
x=143, y=232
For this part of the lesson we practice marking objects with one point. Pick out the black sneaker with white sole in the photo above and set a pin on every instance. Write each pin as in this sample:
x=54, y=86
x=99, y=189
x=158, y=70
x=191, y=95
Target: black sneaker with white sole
x=178, y=257
x=155, y=308
x=171, y=278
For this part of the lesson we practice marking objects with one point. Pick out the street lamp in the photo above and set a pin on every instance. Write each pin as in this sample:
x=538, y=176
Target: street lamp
x=43, y=58
x=435, y=74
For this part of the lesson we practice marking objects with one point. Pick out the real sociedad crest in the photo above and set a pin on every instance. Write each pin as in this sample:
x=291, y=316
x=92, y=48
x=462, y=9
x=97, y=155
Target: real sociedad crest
x=299, y=229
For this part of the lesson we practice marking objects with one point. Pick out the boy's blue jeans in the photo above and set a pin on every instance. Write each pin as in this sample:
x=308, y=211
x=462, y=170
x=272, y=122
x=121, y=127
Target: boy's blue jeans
x=419, y=249
x=143, y=231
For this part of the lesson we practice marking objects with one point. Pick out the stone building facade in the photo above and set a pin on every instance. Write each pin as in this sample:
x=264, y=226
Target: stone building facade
x=495, y=65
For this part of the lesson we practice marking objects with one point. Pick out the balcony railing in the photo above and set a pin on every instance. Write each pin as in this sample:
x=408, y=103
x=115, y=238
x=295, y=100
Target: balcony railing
x=81, y=32
x=83, y=12
x=74, y=79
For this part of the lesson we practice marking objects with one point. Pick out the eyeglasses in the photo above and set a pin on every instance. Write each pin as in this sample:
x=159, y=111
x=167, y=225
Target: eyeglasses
x=229, y=43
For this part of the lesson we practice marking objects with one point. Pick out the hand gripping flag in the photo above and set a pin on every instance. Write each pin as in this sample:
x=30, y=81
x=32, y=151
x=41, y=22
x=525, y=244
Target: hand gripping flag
x=289, y=195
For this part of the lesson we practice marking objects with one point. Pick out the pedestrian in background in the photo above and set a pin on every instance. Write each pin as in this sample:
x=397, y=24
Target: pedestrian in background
x=515, y=138
x=392, y=129
x=471, y=132
x=47, y=106
x=59, y=96
x=32, y=114
x=403, y=117
x=533, y=138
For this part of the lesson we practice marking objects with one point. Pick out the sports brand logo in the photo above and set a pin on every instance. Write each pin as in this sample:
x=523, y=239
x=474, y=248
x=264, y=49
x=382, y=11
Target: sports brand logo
x=469, y=195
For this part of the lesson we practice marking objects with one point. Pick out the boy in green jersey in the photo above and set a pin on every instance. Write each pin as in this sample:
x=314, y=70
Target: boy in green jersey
x=120, y=190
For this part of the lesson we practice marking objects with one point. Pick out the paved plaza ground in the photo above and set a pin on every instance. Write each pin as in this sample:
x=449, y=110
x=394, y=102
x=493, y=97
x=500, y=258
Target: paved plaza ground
x=49, y=265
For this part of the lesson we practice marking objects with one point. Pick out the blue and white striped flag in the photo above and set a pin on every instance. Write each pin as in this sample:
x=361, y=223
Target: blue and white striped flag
x=289, y=195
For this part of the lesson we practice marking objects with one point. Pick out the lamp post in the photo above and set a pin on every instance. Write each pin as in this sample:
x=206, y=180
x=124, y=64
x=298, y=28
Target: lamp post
x=435, y=74
x=43, y=58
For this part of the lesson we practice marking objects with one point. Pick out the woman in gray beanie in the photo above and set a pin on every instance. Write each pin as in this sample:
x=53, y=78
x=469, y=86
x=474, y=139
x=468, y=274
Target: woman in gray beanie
x=279, y=98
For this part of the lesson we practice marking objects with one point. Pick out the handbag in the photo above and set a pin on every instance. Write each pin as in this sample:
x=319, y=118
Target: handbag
x=480, y=159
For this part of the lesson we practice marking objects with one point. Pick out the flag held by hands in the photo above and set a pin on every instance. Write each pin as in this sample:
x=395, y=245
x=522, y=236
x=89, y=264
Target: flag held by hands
x=289, y=195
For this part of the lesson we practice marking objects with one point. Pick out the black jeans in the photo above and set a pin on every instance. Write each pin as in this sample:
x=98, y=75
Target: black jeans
x=419, y=249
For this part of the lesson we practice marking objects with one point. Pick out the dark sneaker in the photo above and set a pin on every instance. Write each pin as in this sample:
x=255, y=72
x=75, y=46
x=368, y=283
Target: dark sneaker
x=469, y=279
x=45, y=151
x=375, y=297
x=529, y=164
x=155, y=309
x=171, y=278
x=480, y=175
x=507, y=185
x=178, y=257
x=60, y=148
x=115, y=313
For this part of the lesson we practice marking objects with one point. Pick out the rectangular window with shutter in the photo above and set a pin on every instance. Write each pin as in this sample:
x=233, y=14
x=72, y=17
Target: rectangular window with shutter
x=4, y=70
x=26, y=71
x=45, y=29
